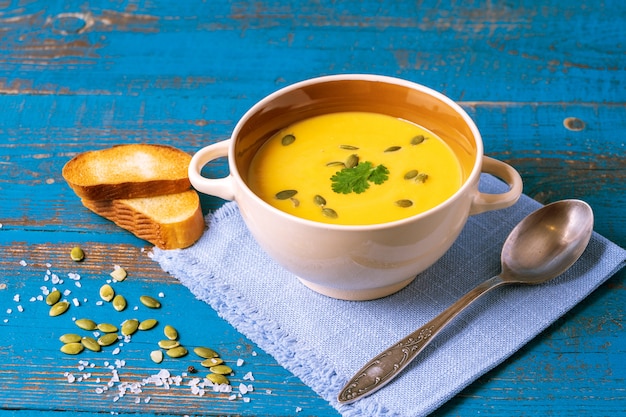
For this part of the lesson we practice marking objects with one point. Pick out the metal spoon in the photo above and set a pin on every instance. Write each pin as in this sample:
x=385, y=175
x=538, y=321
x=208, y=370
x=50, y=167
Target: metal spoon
x=541, y=247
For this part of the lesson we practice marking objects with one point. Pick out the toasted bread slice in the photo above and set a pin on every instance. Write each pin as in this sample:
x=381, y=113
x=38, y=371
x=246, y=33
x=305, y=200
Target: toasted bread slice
x=171, y=221
x=128, y=171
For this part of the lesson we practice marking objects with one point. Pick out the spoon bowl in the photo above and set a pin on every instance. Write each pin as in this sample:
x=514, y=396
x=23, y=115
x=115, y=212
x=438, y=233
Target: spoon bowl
x=547, y=242
x=541, y=247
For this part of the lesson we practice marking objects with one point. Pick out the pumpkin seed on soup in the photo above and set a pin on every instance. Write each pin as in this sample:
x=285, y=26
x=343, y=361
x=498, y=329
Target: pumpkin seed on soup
x=288, y=140
x=330, y=213
x=421, y=177
x=352, y=161
x=411, y=174
x=319, y=200
x=417, y=140
x=286, y=194
x=404, y=203
x=335, y=164
x=393, y=149
x=349, y=147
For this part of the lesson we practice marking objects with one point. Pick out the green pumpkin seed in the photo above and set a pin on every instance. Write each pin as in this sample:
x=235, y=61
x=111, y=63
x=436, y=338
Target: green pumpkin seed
x=221, y=369
x=119, y=302
x=417, y=140
x=205, y=352
x=77, y=254
x=72, y=348
x=177, y=352
x=147, y=324
x=393, y=149
x=107, y=292
x=108, y=339
x=330, y=213
x=335, y=164
x=170, y=332
x=53, y=297
x=106, y=328
x=207, y=363
x=119, y=274
x=86, y=324
x=149, y=301
x=91, y=344
x=411, y=174
x=352, y=161
x=288, y=140
x=130, y=326
x=168, y=344
x=295, y=202
x=348, y=147
x=285, y=194
x=319, y=200
x=156, y=356
x=404, y=203
x=70, y=338
x=421, y=177
x=218, y=379
x=59, y=308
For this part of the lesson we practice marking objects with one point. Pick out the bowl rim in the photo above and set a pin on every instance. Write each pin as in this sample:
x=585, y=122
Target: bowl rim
x=465, y=187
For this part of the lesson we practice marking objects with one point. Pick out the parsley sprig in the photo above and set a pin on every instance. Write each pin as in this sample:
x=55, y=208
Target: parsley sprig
x=357, y=179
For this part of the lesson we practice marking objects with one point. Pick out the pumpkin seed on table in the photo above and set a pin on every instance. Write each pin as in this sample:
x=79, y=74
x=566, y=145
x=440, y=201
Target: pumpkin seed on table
x=149, y=302
x=107, y=292
x=72, y=348
x=177, y=352
x=70, y=338
x=119, y=302
x=208, y=363
x=130, y=326
x=156, y=356
x=218, y=379
x=86, y=324
x=147, y=324
x=221, y=369
x=205, y=352
x=59, y=308
x=108, y=339
x=106, y=327
x=168, y=344
x=91, y=344
x=77, y=254
x=53, y=297
x=170, y=332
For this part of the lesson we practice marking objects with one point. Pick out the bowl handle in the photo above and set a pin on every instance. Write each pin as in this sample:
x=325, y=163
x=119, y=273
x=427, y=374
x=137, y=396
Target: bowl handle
x=219, y=187
x=487, y=202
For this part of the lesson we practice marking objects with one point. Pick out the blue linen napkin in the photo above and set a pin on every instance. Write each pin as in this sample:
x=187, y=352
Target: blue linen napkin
x=325, y=341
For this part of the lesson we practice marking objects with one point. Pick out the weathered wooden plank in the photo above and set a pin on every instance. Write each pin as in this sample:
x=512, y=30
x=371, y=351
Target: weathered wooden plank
x=34, y=370
x=523, y=51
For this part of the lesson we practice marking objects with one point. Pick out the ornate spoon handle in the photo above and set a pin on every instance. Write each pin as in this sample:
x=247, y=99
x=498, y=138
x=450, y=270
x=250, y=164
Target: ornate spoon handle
x=388, y=364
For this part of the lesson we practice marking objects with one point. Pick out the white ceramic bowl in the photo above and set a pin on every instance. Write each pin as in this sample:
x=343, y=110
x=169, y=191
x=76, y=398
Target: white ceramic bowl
x=356, y=262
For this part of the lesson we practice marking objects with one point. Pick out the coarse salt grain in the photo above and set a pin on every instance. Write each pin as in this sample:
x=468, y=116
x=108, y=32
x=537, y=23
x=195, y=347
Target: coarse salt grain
x=23, y=262
x=75, y=302
x=161, y=295
x=248, y=377
x=20, y=308
x=239, y=362
x=16, y=298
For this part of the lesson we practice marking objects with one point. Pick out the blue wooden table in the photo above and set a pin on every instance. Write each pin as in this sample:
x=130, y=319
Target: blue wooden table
x=544, y=81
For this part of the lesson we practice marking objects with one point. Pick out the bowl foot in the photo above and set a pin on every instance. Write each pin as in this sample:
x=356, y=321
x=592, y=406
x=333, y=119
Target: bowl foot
x=357, y=295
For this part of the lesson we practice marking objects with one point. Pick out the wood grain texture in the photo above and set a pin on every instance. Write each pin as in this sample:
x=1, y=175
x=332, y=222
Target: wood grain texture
x=77, y=76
